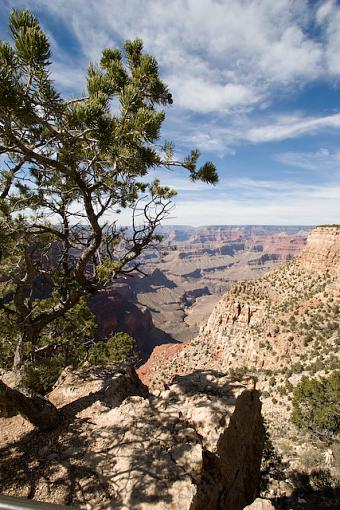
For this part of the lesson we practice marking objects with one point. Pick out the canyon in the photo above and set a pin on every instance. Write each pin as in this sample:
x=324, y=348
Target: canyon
x=187, y=276
x=270, y=323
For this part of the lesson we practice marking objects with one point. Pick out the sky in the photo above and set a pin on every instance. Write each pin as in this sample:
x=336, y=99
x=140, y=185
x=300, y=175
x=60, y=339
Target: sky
x=256, y=88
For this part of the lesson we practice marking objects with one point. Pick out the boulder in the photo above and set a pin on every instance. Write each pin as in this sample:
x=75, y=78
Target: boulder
x=260, y=504
x=109, y=385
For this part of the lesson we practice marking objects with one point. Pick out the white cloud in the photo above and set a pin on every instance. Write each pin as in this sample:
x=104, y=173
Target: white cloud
x=328, y=17
x=333, y=45
x=292, y=57
x=280, y=202
x=224, y=138
x=312, y=206
x=291, y=127
x=66, y=79
x=207, y=138
x=204, y=96
x=321, y=160
x=218, y=55
x=324, y=11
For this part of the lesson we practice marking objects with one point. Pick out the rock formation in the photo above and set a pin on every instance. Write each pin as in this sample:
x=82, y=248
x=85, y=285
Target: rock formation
x=322, y=250
x=260, y=504
x=267, y=323
x=198, y=265
x=196, y=445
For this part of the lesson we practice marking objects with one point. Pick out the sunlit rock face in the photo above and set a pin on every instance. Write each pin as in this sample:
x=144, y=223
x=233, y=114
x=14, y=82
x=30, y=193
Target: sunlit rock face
x=260, y=504
x=196, y=445
x=322, y=252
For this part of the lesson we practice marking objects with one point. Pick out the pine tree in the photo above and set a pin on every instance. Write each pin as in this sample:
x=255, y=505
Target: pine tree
x=69, y=166
x=316, y=405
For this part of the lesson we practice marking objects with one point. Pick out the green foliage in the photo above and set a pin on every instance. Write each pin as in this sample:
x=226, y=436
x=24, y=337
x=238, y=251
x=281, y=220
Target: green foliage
x=238, y=372
x=62, y=343
x=41, y=375
x=8, y=338
x=316, y=405
x=116, y=348
x=68, y=342
x=272, y=466
x=106, y=268
x=31, y=43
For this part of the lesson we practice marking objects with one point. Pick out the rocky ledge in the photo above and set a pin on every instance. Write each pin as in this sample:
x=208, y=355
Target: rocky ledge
x=322, y=252
x=195, y=445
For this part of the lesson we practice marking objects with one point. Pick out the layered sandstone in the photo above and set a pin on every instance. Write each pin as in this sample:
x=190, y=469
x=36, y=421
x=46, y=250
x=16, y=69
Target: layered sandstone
x=322, y=251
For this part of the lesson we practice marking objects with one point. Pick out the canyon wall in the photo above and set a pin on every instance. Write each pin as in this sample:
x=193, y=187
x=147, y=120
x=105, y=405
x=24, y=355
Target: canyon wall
x=322, y=251
x=267, y=323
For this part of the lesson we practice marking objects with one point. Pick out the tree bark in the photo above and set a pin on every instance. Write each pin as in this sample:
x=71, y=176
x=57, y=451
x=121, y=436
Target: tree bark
x=17, y=360
x=36, y=409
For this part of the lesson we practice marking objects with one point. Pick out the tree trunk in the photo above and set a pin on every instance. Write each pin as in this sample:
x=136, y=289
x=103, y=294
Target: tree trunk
x=17, y=361
x=36, y=409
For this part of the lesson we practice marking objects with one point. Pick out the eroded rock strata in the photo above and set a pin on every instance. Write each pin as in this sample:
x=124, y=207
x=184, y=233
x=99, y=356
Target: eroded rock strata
x=269, y=323
x=187, y=278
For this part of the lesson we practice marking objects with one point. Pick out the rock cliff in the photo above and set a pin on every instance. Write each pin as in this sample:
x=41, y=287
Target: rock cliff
x=268, y=323
x=193, y=446
x=322, y=251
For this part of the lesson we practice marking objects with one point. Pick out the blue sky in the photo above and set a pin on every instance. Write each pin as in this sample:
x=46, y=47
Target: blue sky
x=256, y=87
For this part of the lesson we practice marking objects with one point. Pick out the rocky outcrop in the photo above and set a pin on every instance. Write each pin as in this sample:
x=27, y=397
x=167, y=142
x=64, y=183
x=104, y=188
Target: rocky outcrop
x=158, y=358
x=198, y=445
x=109, y=385
x=322, y=252
x=282, y=237
x=193, y=446
x=280, y=246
